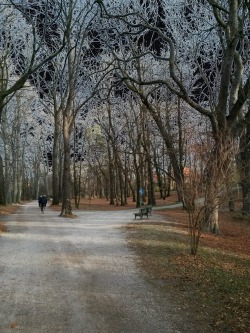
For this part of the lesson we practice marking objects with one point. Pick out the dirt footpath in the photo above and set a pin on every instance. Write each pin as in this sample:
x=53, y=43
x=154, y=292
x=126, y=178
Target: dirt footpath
x=77, y=275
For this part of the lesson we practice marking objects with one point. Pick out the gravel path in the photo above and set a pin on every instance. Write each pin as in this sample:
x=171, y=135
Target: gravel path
x=75, y=275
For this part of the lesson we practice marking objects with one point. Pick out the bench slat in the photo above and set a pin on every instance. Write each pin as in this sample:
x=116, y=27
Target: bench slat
x=143, y=212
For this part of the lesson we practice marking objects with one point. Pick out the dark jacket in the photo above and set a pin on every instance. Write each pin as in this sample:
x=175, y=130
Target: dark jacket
x=42, y=200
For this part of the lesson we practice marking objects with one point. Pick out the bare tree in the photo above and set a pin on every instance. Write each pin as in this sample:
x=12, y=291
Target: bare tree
x=18, y=136
x=79, y=71
x=68, y=86
x=29, y=39
x=203, y=62
x=244, y=164
x=197, y=181
x=2, y=192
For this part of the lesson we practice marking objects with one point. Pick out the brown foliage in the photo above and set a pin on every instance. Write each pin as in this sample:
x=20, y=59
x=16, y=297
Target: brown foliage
x=6, y=210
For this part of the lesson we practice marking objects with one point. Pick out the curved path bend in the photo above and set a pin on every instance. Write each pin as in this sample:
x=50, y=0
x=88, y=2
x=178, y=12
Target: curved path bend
x=76, y=276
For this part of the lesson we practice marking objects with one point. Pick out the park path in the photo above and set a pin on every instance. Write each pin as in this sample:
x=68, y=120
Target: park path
x=76, y=276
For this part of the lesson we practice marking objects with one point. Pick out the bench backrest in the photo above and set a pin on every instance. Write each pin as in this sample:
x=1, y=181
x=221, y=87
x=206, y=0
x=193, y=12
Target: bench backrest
x=143, y=210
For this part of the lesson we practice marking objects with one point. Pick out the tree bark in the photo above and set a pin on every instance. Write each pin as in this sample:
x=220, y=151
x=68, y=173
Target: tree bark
x=245, y=166
x=111, y=176
x=2, y=188
x=7, y=157
x=55, y=161
x=66, y=183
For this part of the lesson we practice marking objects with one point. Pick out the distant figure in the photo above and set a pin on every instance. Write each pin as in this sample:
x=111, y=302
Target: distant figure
x=42, y=202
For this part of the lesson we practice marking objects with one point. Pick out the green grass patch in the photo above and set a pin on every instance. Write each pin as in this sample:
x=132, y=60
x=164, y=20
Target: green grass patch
x=215, y=281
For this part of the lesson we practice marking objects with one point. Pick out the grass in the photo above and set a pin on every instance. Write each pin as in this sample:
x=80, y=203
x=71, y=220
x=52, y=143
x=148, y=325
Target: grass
x=216, y=280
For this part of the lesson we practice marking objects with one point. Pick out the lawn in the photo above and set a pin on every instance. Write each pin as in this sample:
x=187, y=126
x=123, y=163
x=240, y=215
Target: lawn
x=214, y=285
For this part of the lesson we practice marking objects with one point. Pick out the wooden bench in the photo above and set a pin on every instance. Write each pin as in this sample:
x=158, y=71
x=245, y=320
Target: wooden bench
x=149, y=208
x=142, y=212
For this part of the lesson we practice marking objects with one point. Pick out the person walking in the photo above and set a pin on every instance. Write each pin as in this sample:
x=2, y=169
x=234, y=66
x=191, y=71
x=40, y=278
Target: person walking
x=40, y=200
x=43, y=202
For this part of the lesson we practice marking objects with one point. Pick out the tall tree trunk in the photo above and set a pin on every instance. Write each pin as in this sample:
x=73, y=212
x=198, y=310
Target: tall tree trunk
x=151, y=191
x=138, y=181
x=120, y=174
x=219, y=165
x=111, y=176
x=245, y=166
x=211, y=202
x=168, y=190
x=20, y=175
x=76, y=179
x=79, y=184
x=149, y=170
x=55, y=162
x=121, y=183
x=158, y=174
x=7, y=158
x=66, y=182
x=36, y=179
x=125, y=180
x=14, y=187
x=173, y=155
x=131, y=187
x=213, y=216
x=2, y=188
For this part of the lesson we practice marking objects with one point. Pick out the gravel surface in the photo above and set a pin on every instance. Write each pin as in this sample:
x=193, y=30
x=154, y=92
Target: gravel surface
x=76, y=275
